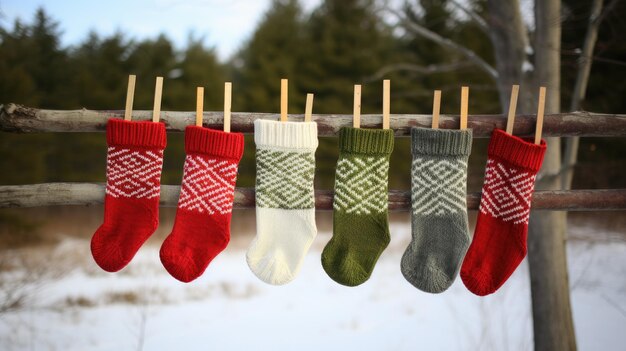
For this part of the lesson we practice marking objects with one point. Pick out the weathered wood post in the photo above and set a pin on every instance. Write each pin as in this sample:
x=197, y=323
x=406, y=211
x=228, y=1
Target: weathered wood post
x=549, y=283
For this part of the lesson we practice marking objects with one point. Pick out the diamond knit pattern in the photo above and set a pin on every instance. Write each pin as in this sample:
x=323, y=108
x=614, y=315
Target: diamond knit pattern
x=133, y=173
x=360, y=219
x=202, y=227
x=208, y=185
x=285, y=204
x=507, y=192
x=438, y=186
x=361, y=184
x=131, y=204
x=500, y=244
x=284, y=179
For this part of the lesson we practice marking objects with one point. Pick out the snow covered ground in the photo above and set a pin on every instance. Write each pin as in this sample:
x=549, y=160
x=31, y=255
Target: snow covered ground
x=84, y=308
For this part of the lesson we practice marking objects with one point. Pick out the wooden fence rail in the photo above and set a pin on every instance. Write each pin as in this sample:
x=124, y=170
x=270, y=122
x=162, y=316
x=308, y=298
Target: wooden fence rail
x=53, y=194
x=17, y=118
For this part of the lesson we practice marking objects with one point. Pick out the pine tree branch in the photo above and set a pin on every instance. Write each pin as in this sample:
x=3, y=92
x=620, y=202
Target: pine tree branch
x=445, y=42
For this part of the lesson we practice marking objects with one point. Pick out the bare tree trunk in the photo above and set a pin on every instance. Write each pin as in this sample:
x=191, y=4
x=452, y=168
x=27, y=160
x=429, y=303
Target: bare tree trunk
x=580, y=89
x=552, y=319
x=510, y=41
x=552, y=316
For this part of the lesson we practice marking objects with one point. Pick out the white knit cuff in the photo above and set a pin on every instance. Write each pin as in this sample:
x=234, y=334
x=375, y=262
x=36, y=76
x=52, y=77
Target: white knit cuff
x=288, y=135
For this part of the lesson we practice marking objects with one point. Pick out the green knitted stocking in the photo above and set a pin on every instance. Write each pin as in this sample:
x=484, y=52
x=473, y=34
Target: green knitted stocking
x=360, y=223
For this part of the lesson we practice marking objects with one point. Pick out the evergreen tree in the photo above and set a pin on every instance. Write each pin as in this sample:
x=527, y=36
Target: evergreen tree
x=32, y=64
x=48, y=63
x=197, y=66
x=273, y=52
x=348, y=43
x=438, y=17
x=150, y=59
x=17, y=83
x=32, y=69
x=340, y=44
x=99, y=68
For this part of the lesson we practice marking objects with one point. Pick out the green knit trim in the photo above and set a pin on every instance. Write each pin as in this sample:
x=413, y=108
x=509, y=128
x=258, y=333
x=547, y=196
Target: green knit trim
x=366, y=141
x=285, y=179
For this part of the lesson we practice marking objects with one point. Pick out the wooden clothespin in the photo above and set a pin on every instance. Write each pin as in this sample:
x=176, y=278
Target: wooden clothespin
x=228, y=91
x=356, y=119
x=464, y=107
x=199, y=105
x=436, y=109
x=158, y=91
x=386, y=102
x=308, y=109
x=540, y=109
x=510, y=121
x=284, y=95
x=130, y=95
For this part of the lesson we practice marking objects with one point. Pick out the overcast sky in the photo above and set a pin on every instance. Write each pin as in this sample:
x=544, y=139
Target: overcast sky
x=224, y=24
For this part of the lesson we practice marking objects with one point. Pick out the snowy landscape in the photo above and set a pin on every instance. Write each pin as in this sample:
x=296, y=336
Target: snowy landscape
x=77, y=306
x=544, y=69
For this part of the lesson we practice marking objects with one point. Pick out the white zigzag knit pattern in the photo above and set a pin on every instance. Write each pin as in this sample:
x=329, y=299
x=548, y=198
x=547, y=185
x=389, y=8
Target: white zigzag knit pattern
x=133, y=173
x=208, y=185
x=361, y=184
x=438, y=186
x=507, y=192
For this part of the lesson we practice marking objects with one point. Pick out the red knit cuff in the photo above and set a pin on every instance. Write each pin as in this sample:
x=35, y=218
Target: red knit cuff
x=136, y=134
x=213, y=142
x=517, y=151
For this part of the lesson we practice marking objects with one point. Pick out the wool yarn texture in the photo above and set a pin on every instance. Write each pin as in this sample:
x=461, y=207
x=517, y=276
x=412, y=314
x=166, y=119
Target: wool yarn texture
x=131, y=203
x=439, y=225
x=285, y=199
x=202, y=225
x=499, y=243
x=360, y=219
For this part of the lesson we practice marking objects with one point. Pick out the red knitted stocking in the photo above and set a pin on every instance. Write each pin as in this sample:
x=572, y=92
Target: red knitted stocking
x=499, y=243
x=202, y=227
x=131, y=204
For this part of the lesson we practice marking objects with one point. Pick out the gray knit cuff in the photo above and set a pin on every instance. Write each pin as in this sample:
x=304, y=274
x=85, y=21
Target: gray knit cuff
x=451, y=142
